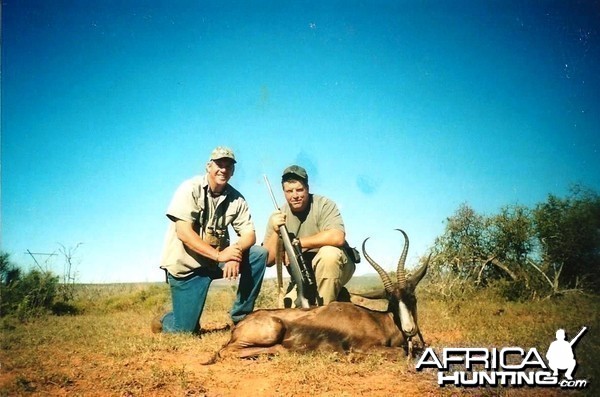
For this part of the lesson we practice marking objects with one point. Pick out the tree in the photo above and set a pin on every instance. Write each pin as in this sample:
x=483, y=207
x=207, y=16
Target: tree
x=550, y=250
x=569, y=233
x=67, y=288
x=481, y=249
x=462, y=247
x=512, y=239
x=8, y=271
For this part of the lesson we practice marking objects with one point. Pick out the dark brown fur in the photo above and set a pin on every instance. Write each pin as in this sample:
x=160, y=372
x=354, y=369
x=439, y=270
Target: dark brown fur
x=339, y=326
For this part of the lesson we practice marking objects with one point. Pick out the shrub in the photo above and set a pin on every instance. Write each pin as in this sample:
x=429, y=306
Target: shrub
x=25, y=295
x=31, y=295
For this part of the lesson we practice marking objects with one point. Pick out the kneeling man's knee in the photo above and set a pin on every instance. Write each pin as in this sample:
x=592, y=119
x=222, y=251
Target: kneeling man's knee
x=259, y=251
x=329, y=255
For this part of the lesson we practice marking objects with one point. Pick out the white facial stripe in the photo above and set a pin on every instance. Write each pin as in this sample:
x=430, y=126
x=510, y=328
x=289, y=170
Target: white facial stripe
x=407, y=320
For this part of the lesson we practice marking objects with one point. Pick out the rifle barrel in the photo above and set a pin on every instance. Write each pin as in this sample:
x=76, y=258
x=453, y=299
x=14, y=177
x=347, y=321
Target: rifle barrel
x=578, y=336
x=271, y=192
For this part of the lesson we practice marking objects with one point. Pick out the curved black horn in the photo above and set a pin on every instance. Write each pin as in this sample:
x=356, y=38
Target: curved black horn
x=387, y=283
x=400, y=272
x=420, y=272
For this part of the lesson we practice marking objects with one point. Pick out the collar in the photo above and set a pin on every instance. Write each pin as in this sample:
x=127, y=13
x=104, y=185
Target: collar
x=206, y=187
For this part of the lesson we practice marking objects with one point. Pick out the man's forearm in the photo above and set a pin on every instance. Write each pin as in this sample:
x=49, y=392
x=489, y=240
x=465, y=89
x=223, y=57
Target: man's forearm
x=191, y=240
x=333, y=237
x=247, y=240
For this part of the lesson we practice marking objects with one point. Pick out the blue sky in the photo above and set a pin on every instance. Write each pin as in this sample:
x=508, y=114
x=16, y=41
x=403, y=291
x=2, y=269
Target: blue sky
x=399, y=110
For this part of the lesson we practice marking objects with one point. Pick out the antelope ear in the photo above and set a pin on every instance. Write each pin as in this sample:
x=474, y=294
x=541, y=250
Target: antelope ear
x=376, y=294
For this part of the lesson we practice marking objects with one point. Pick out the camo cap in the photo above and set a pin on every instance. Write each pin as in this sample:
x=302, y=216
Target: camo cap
x=295, y=170
x=222, y=152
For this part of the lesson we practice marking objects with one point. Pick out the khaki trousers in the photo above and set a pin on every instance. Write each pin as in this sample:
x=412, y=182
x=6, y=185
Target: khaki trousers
x=332, y=269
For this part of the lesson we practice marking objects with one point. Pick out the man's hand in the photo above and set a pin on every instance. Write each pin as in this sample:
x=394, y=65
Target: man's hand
x=231, y=270
x=231, y=253
x=277, y=220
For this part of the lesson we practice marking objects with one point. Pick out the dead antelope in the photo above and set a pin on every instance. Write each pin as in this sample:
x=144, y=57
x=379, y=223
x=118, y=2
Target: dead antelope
x=339, y=326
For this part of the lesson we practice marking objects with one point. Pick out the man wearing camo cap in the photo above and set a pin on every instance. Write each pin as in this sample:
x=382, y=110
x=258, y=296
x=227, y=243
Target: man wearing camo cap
x=317, y=223
x=197, y=248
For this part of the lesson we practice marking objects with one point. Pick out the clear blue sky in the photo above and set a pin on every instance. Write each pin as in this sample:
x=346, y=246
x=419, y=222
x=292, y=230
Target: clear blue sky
x=399, y=110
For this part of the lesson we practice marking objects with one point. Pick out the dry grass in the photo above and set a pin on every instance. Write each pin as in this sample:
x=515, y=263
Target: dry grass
x=109, y=350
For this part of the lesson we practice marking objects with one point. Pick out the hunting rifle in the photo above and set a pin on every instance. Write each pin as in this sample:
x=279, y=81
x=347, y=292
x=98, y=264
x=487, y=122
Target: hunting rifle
x=301, y=273
x=576, y=338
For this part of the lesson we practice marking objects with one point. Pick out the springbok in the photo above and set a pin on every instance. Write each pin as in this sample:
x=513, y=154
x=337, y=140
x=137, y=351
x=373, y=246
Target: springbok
x=339, y=326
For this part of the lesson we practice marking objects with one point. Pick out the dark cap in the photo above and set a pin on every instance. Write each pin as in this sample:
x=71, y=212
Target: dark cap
x=295, y=170
x=222, y=152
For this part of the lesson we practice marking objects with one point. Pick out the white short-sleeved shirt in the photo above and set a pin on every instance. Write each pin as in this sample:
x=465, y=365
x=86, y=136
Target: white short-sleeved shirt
x=188, y=204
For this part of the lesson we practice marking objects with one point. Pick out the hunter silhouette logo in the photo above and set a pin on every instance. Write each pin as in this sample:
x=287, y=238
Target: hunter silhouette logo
x=507, y=366
x=560, y=353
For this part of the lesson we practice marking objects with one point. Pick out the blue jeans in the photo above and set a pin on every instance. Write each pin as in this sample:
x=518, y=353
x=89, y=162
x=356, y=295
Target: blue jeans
x=189, y=293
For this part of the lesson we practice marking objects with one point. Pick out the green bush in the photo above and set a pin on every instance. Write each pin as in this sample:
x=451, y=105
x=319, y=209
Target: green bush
x=26, y=294
x=514, y=291
x=30, y=295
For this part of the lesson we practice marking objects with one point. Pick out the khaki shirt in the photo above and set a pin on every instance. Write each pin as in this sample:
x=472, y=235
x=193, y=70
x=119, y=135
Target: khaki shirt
x=323, y=214
x=188, y=204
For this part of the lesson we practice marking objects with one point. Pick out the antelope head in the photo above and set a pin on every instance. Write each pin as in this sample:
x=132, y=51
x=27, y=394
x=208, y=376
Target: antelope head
x=401, y=292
